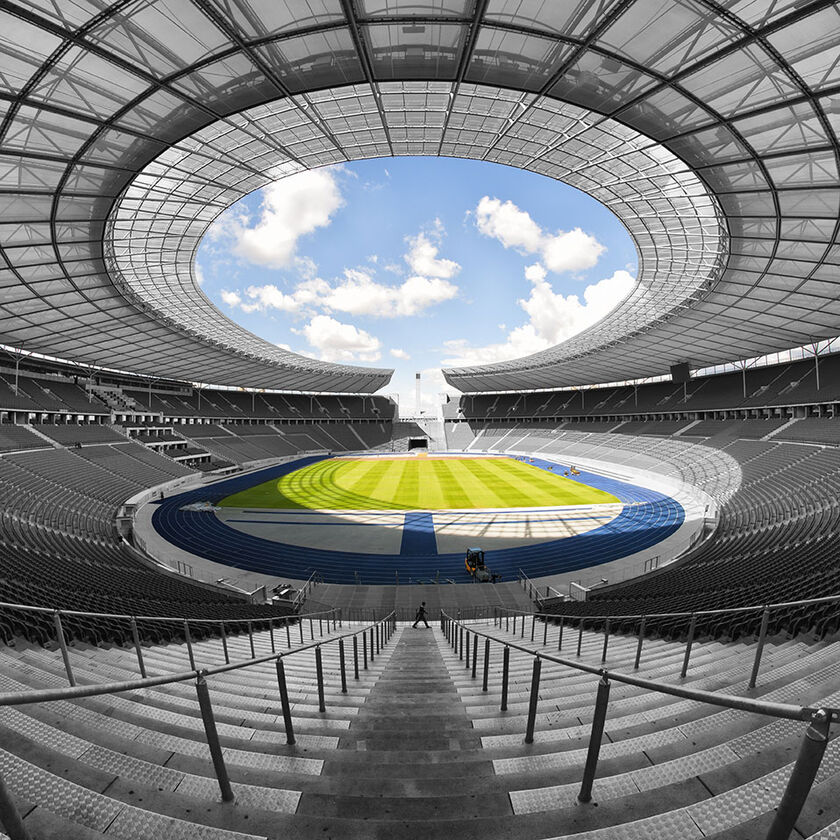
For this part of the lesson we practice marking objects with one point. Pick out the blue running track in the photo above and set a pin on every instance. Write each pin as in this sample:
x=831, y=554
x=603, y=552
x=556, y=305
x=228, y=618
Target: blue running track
x=648, y=517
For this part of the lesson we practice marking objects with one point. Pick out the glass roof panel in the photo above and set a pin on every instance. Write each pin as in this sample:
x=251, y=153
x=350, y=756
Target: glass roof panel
x=729, y=103
x=812, y=46
x=668, y=34
x=570, y=17
x=257, y=19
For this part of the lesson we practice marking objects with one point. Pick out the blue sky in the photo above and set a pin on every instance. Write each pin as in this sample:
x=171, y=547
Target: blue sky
x=416, y=263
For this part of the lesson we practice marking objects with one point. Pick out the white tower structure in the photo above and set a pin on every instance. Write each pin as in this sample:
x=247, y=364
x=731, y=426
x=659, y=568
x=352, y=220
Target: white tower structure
x=417, y=394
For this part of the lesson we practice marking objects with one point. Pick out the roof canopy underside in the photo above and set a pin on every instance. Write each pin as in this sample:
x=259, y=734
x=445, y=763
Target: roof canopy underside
x=127, y=127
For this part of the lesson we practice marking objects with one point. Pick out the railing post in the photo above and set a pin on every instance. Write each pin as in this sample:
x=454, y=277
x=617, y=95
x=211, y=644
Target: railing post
x=320, y=627
x=135, y=636
x=533, y=624
x=639, y=645
x=545, y=631
x=371, y=645
x=507, y=623
x=532, y=702
x=461, y=644
x=288, y=635
x=467, y=656
x=505, y=672
x=364, y=648
x=560, y=636
x=311, y=630
x=514, y=624
x=342, y=666
x=355, y=657
x=606, y=641
x=251, y=639
x=802, y=778
x=378, y=634
x=475, y=653
x=688, y=643
x=580, y=636
x=188, y=640
x=486, y=664
x=59, y=635
x=213, y=738
x=522, y=625
x=10, y=820
x=284, y=701
x=300, y=629
x=271, y=634
x=598, y=720
x=224, y=642
x=762, y=635
x=319, y=673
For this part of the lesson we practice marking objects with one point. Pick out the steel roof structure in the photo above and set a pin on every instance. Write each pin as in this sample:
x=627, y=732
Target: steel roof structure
x=710, y=127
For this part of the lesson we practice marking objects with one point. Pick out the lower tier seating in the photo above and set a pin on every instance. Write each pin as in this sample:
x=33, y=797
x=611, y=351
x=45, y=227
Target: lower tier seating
x=415, y=747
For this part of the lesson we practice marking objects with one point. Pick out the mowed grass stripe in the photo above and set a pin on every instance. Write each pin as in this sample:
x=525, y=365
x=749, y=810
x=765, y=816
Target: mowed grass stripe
x=411, y=484
x=490, y=472
x=433, y=489
x=535, y=484
x=371, y=480
x=458, y=492
x=385, y=494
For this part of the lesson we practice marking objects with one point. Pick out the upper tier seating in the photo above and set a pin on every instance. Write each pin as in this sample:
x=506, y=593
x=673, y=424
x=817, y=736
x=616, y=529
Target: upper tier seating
x=38, y=394
x=790, y=384
x=236, y=405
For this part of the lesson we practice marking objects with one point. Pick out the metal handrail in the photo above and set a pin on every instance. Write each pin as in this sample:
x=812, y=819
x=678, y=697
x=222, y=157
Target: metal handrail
x=19, y=698
x=380, y=633
x=730, y=701
x=306, y=589
x=170, y=618
x=812, y=747
x=530, y=587
x=722, y=611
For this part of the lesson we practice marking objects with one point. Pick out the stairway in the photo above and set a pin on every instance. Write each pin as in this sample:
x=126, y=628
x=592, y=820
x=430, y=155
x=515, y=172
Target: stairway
x=416, y=747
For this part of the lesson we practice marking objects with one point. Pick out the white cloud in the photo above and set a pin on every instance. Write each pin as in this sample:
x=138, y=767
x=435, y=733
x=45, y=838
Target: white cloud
x=552, y=318
x=359, y=294
x=291, y=208
x=199, y=274
x=337, y=342
x=571, y=250
x=422, y=256
x=513, y=227
x=397, y=353
x=268, y=297
x=356, y=293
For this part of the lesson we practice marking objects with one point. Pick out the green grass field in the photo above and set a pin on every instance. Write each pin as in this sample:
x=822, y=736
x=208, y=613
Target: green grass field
x=417, y=484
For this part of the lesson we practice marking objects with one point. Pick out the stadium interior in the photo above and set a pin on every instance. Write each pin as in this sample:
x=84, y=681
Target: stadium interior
x=656, y=659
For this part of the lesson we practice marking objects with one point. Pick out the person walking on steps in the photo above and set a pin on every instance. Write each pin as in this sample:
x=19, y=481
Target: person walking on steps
x=421, y=615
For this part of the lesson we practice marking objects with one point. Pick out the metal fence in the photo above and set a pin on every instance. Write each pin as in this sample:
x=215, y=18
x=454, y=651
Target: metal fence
x=373, y=639
x=464, y=641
